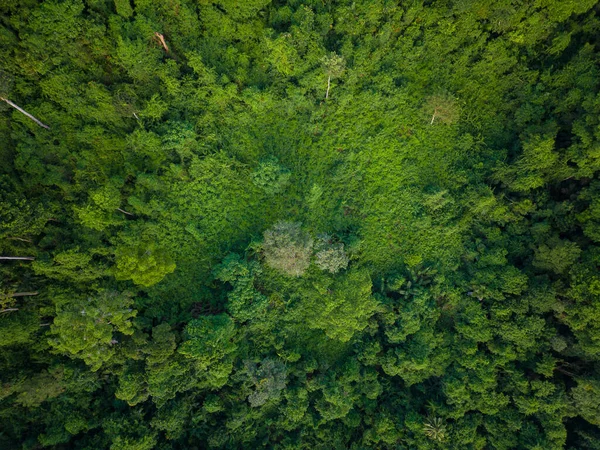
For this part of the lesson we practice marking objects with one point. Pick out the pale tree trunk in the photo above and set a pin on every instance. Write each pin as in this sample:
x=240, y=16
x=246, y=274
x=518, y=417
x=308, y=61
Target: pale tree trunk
x=25, y=258
x=161, y=40
x=16, y=294
x=19, y=294
x=328, y=85
x=433, y=118
x=125, y=212
x=19, y=239
x=21, y=110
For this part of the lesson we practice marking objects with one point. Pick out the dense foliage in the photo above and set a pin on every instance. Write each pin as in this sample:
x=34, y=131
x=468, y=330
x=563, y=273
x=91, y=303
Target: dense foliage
x=317, y=224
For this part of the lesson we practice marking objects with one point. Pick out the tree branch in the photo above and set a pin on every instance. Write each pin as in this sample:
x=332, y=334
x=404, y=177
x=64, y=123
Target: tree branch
x=125, y=212
x=19, y=294
x=19, y=239
x=26, y=258
x=21, y=110
x=433, y=118
x=161, y=39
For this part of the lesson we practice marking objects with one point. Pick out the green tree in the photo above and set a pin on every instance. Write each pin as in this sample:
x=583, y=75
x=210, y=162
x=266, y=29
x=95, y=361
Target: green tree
x=244, y=301
x=341, y=307
x=145, y=264
x=89, y=327
x=271, y=177
x=210, y=342
x=269, y=378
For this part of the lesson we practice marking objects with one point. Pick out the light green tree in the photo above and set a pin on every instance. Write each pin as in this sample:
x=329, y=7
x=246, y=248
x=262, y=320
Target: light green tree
x=271, y=177
x=340, y=307
x=210, y=344
x=145, y=264
x=87, y=327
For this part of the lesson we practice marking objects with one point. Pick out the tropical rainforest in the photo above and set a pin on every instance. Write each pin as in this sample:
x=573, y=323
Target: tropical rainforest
x=318, y=224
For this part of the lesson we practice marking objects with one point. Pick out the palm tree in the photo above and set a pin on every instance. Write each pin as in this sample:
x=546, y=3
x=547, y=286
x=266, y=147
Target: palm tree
x=435, y=429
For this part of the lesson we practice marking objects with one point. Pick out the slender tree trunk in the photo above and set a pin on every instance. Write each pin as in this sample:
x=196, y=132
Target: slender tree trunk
x=19, y=239
x=21, y=110
x=26, y=258
x=8, y=310
x=328, y=85
x=432, y=119
x=19, y=294
x=125, y=212
x=560, y=369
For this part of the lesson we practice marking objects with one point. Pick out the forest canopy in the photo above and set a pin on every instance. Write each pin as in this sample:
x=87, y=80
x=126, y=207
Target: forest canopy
x=316, y=224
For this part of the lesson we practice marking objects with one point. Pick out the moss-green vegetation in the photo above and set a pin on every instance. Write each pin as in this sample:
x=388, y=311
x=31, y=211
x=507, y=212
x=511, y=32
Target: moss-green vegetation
x=320, y=224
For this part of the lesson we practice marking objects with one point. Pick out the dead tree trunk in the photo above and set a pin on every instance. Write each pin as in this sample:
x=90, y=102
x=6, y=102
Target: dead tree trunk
x=125, y=212
x=21, y=110
x=26, y=258
x=19, y=294
x=435, y=111
x=161, y=40
x=19, y=239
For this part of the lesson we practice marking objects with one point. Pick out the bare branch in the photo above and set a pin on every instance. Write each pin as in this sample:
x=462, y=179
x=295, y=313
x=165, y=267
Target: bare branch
x=125, y=212
x=161, y=39
x=19, y=294
x=26, y=258
x=21, y=110
x=19, y=239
